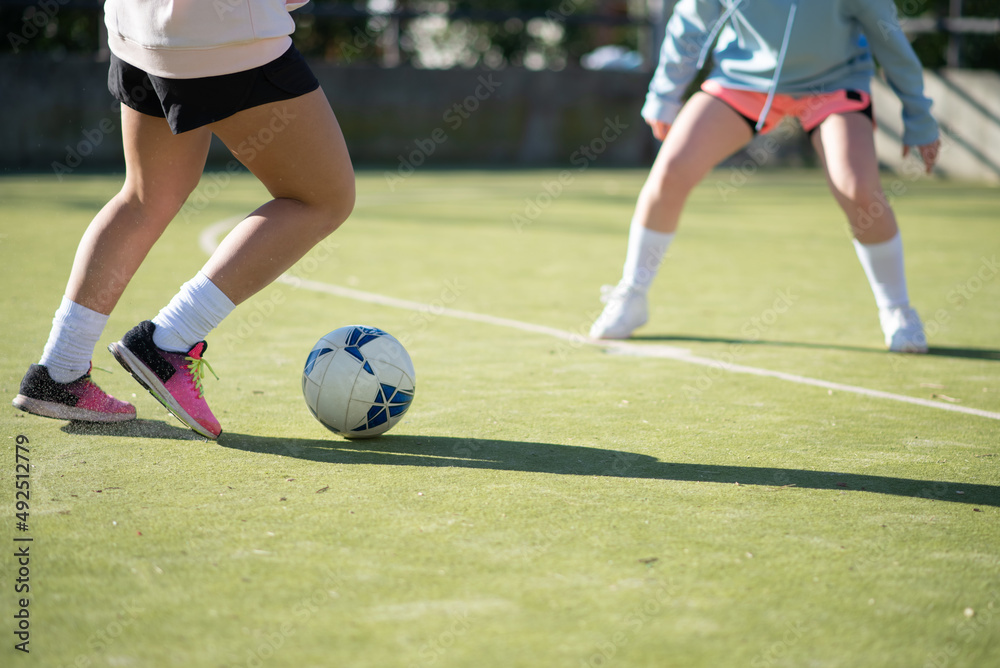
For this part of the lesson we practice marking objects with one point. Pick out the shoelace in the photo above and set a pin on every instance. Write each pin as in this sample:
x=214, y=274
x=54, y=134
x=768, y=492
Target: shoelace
x=197, y=367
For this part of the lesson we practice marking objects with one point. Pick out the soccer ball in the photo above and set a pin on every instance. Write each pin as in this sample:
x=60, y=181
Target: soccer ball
x=358, y=381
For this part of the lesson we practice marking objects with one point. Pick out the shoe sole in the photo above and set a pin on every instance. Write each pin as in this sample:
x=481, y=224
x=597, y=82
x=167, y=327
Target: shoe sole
x=152, y=383
x=612, y=335
x=50, y=409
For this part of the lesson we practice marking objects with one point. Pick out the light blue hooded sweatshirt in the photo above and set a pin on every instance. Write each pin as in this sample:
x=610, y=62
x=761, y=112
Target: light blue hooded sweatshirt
x=790, y=47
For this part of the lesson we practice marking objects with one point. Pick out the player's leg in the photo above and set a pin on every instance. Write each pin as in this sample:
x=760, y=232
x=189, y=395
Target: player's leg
x=307, y=170
x=296, y=149
x=161, y=170
x=706, y=132
x=846, y=146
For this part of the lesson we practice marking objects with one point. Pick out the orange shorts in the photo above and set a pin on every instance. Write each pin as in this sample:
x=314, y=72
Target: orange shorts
x=811, y=110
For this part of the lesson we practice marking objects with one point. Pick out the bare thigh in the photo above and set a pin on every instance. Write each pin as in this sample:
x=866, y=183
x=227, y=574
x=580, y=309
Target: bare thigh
x=295, y=148
x=846, y=147
x=706, y=132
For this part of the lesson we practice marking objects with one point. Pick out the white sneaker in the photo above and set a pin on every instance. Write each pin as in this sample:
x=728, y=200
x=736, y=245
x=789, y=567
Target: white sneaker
x=625, y=311
x=904, y=333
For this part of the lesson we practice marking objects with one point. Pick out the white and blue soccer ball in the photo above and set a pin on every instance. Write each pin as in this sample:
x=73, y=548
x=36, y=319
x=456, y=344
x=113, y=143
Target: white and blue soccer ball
x=358, y=381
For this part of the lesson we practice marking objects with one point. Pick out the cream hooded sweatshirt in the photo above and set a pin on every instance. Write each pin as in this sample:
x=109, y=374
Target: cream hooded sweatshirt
x=187, y=39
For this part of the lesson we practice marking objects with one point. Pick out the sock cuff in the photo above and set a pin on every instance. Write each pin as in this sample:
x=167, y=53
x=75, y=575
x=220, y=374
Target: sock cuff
x=646, y=249
x=75, y=331
x=882, y=248
x=78, y=314
x=214, y=298
x=646, y=234
x=197, y=308
x=883, y=265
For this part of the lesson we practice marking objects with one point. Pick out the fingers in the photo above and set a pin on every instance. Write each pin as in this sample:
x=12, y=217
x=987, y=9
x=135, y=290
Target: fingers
x=660, y=129
x=929, y=153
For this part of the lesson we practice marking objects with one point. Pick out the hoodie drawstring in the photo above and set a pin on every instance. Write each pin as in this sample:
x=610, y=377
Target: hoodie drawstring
x=730, y=10
x=777, y=68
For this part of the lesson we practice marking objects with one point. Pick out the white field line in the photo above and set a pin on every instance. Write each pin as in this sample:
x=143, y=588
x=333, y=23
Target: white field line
x=209, y=242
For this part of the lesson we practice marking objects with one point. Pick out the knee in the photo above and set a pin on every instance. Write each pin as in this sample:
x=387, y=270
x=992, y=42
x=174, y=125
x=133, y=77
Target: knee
x=861, y=195
x=335, y=207
x=156, y=206
x=672, y=183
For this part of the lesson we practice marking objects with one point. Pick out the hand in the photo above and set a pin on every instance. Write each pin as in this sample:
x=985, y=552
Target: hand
x=660, y=129
x=928, y=153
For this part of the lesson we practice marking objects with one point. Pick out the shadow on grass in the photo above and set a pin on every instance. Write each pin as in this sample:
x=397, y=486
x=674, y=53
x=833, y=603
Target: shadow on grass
x=973, y=353
x=133, y=429
x=938, y=351
x=549, y=458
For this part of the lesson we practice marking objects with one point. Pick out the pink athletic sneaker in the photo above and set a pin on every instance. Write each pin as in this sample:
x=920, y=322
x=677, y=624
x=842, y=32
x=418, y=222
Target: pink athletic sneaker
x=80, y=399
x=174, y=379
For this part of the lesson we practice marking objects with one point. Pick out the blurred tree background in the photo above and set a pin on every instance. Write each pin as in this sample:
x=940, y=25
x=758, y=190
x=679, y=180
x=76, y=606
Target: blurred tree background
x=536, y=34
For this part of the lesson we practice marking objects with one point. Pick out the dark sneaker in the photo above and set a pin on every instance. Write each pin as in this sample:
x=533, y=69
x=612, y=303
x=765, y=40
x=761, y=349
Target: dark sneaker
x=174, y=379
x=80, y=399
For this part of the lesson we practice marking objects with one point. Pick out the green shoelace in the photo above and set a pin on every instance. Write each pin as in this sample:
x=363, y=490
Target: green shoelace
x=197, y=367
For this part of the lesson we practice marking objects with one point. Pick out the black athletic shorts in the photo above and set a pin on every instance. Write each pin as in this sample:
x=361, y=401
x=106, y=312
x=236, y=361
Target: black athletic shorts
x=192, y=103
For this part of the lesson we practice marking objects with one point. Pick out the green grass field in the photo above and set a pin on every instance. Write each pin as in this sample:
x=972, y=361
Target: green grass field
x=546, y=502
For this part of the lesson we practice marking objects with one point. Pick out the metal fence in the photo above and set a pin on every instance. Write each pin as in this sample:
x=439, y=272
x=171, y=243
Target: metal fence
x=553, y=38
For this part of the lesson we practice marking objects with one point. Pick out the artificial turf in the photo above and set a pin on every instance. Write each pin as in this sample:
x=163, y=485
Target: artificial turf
x=546, y=501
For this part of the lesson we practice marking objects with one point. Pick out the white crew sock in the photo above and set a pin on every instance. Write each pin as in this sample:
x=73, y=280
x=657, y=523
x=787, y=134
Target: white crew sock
x=75, y=331
x=646, y=249
x=195, y=311
x=883, y=265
